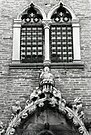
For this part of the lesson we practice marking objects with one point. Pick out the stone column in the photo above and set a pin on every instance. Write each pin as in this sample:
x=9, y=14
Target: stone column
x=47, y=44
x=76, y=41
x=16, y=41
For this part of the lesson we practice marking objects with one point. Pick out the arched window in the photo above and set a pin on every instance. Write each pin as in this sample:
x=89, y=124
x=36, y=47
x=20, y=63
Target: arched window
x=28, y=36
x=32, y=36
x=52, y=38
x=61, y=36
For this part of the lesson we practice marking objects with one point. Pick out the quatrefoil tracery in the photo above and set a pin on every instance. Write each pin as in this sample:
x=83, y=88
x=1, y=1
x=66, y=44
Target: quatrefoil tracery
x=61, y=15
x=32, y=15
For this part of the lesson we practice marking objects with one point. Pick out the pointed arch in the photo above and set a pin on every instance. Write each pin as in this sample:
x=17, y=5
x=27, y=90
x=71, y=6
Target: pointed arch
x=44, y=97
x=56, y=6
x=36, y=7
x=74, y=21
x=31, y=108
x=32, y=14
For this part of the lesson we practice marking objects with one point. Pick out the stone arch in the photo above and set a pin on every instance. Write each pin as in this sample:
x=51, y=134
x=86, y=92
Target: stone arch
x=75, y=27
x=56, y=6
x=31, y=108
x=36, y=7
x=47, y=96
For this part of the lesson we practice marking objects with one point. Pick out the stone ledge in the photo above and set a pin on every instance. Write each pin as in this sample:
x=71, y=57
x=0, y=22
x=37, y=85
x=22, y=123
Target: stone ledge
x=67, y=65
x=25, y=65
x=41, y=65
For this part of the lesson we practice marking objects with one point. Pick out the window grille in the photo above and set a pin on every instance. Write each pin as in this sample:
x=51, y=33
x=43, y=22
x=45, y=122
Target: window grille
x=61, y=45
x=32, y=44
x=32, y=36
x=61, y=37
x=61, y=42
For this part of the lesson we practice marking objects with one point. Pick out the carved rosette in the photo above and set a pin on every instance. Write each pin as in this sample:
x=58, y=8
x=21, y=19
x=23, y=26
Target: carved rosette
x=12, y=131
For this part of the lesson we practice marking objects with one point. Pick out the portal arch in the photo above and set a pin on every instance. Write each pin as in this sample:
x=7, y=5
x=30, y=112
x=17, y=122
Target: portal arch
x=47, y=97
x=30, y=109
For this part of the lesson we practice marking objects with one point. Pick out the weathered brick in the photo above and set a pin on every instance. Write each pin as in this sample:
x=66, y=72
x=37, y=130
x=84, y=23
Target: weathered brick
x=18, y=83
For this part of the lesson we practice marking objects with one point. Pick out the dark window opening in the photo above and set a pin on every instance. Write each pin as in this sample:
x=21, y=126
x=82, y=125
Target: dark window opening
x=61, y=43
x=32, y=38
x=61, y=36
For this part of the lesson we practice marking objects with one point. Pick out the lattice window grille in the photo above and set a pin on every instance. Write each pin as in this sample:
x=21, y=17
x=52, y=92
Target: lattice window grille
x=31, y=49
x=61, y=43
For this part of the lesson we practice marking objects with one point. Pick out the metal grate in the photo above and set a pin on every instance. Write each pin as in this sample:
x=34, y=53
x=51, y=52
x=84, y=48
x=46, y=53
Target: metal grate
x=31, y=49
x=61, y=43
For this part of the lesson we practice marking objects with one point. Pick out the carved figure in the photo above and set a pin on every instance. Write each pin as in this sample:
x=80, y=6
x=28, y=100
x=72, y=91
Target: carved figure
x=16, y=108
x=53, y=101
x=63, y=102
x=27, y=103
x=77, y=107
x=34, y=96
x=46, y=77
x=57, y=93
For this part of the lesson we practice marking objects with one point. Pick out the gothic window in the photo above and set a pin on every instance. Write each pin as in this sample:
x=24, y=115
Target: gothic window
x=41, y=38
x=61, y=36
x=32, y=36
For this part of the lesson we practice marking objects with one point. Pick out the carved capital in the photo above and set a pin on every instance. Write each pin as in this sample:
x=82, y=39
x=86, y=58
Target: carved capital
x=46, y=23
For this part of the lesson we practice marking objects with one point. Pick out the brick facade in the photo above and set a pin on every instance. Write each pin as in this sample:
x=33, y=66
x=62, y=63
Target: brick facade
x=17, y=84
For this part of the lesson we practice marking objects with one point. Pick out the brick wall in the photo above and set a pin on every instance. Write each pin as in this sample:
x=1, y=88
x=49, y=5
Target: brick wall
x=16, y=84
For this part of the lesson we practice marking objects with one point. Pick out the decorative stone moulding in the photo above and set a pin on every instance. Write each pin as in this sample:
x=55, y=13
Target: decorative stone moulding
x=47, y=93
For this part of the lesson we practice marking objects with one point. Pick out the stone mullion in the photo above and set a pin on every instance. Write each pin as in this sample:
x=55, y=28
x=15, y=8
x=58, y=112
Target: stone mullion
x=47, y=43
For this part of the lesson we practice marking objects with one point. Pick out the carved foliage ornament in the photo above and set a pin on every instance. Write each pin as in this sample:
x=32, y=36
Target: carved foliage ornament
x=46, y=93
x=32, y=106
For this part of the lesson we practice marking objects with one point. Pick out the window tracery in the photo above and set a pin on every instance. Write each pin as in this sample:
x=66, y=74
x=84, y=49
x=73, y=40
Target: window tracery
x=61, y=15
x=31, y=15
x=56, y=41
x=32, y=36
x=61, y=36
